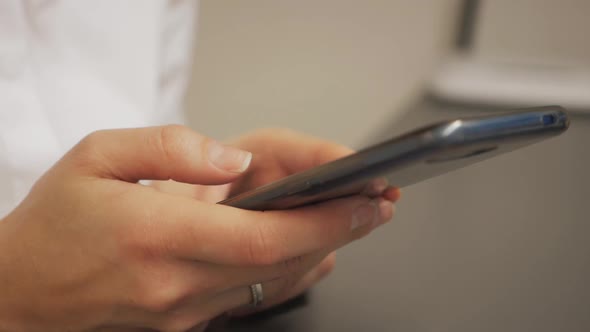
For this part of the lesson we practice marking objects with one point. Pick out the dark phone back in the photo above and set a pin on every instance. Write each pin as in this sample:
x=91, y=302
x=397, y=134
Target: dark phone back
x=410, y=158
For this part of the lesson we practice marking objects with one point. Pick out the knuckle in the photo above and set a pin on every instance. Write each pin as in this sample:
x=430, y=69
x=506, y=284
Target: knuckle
x=263, y=248
x=202, y=286
x=291, y=266
x=157, y=301
x=134, y=248
x=87, y=153
x=173, y=140
x=159, y=294
x=139, y=241
x=90, y=144
x=92, y=139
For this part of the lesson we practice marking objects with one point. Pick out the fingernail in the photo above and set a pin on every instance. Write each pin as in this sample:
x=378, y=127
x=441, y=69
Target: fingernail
x=385, y=211
x=228, y=158
x=364, y=214
x=375, y=187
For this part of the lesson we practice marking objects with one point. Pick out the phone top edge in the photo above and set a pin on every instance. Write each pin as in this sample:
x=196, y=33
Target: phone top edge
x=526, y=123
x=546, y=121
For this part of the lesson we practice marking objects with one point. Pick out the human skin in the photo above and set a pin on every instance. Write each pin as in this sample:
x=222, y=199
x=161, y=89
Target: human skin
x=90, y=249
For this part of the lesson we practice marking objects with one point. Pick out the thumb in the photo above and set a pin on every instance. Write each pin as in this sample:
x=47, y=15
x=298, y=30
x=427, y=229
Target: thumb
x=158, y=153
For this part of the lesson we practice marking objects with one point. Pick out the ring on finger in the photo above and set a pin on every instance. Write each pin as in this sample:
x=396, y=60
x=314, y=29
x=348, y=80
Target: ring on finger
x=257, y=294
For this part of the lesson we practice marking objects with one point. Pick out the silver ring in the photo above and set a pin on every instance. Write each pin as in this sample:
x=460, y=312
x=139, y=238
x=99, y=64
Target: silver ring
x=257, y=294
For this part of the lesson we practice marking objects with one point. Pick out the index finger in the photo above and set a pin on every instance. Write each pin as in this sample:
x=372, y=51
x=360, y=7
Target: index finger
x=226, y=235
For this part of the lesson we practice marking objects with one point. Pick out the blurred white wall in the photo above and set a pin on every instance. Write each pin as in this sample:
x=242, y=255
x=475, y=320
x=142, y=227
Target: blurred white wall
x=333, y=68
x=535, y=31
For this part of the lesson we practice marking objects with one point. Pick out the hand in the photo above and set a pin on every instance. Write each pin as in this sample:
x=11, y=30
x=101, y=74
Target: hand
x=278, y=153
x=89, y=249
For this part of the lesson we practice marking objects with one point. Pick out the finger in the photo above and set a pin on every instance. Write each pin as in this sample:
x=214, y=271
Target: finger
x=158, y=153
x=275, y=293
x=297, y=151
x=226, y=235
x=392, y=194
x=204, y=193
x=208, y=290
x=201, y=307
x=309, y=279
x=214, y=279
x=175, y=188
x=241, y=297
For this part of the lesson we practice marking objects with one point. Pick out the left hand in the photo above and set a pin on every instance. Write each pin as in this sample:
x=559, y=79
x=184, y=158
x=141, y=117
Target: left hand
x=277, y=153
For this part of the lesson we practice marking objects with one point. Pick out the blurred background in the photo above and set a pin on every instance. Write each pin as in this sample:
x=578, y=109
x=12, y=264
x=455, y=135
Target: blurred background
x=502, y=245
x=331, y=68
x=303, y=64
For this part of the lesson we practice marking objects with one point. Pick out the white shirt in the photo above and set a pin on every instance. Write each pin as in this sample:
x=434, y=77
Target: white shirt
x=69, y=67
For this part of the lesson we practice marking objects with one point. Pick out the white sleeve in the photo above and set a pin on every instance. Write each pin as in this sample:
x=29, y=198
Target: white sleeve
x=177, y=38
x=71, y=67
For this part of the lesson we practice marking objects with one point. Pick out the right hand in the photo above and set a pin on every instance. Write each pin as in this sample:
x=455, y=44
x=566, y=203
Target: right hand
x=89, y=249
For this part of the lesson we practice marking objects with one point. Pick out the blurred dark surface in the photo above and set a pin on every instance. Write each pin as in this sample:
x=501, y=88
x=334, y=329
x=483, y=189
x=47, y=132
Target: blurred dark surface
x=498, y=246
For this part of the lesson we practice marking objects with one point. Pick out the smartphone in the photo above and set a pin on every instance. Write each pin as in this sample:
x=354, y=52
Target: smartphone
x=410, y=158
